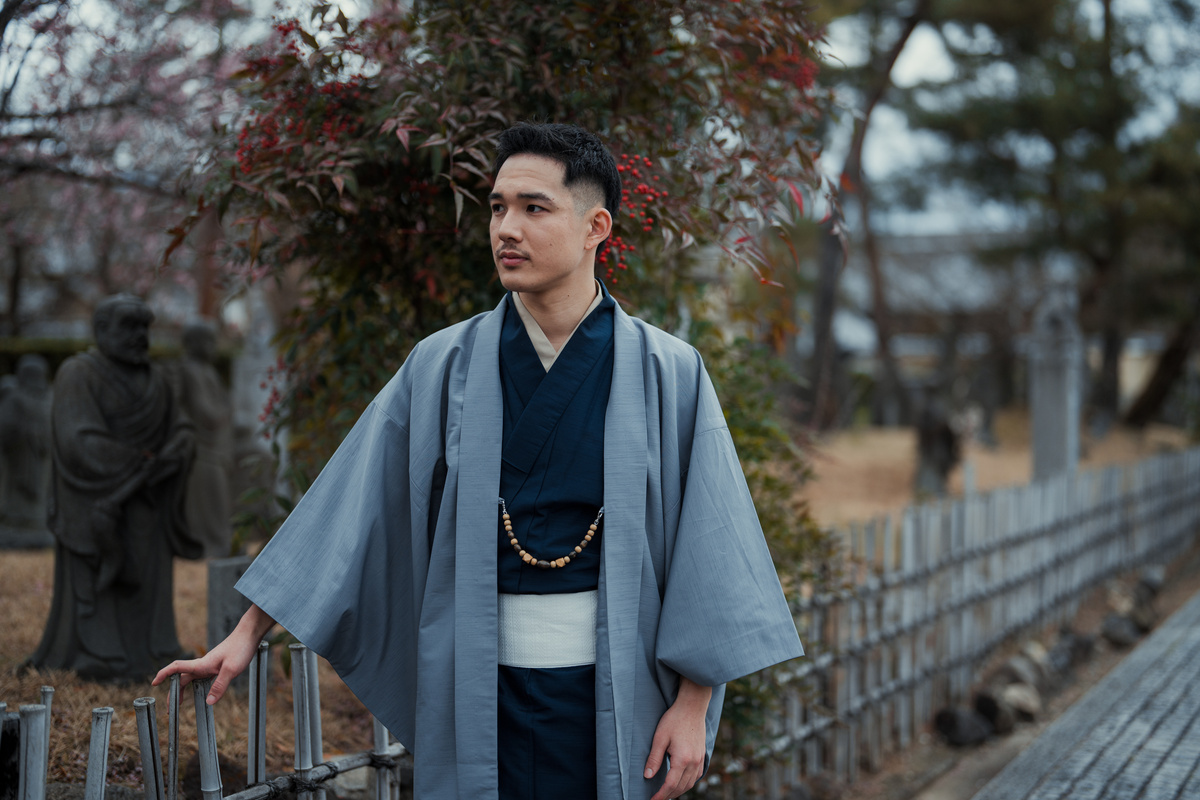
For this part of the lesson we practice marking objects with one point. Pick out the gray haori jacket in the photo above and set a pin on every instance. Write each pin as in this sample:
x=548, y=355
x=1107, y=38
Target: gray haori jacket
x=387, y=566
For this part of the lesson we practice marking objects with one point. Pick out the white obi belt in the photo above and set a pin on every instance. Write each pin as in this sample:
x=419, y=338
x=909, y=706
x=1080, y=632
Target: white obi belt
x=548, y=631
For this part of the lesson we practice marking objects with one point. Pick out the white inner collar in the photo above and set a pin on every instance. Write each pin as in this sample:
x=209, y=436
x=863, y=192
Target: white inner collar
x=541, y=343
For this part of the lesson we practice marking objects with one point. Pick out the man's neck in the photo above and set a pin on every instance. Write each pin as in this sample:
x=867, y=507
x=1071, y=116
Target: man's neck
x=559, y=313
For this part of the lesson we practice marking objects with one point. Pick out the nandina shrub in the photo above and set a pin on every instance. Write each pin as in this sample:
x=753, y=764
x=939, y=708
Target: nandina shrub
x=357, y=170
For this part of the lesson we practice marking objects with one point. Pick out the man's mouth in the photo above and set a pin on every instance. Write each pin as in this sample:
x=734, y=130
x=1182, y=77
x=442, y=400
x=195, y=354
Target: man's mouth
x=510, y=258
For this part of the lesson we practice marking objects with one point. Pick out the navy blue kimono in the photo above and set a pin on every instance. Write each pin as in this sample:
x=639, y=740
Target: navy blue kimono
x=552, y=480
x=388, y=565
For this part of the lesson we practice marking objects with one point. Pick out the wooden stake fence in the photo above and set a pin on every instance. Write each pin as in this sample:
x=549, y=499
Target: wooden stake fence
x=306, y=780
x=932, y=596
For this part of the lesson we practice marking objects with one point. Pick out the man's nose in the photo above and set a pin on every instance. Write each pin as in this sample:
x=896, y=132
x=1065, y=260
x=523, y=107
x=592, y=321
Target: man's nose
x=508, y=229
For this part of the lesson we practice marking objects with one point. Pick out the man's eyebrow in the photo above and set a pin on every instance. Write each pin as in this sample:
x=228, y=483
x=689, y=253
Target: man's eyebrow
x=542, y=196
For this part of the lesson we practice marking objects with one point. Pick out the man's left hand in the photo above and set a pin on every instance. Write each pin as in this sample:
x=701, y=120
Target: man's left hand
x=680, y=734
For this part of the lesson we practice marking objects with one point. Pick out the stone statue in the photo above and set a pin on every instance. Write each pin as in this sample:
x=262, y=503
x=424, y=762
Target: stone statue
x=937, y=448
x=122, y=451
x=25, y=449
x=206, y=402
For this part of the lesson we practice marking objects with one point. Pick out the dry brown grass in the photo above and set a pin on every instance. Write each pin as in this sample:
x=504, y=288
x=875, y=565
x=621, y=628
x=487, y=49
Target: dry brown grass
x=862, y=473
x=859, y=473
x=26, y=585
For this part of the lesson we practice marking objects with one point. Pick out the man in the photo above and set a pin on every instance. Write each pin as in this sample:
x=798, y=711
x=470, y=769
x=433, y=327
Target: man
x=121, y=457
x=546, y=507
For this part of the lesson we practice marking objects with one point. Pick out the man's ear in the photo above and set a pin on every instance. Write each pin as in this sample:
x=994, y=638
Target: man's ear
x=600, y=225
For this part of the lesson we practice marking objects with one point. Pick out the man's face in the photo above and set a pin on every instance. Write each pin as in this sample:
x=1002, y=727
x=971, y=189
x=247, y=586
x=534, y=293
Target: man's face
x=126, y=337
x=542, y=237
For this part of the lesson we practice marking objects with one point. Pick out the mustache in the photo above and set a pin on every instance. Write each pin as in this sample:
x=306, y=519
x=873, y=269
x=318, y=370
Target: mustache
x=510, y=251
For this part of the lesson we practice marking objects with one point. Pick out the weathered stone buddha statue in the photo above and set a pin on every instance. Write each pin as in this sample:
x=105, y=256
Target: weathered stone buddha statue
x=206, y=402
x=122, y=452
x=25, y=455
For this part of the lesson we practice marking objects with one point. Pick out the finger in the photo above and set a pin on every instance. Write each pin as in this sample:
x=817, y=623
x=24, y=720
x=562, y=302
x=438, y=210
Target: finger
x=688, y=780
x=174, y=668
x=658, y=749
x=670, y=787
x=219, y=685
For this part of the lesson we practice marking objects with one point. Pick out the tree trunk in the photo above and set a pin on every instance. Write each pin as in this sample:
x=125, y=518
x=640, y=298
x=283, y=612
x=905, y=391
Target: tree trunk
x=824, y=411
x=208, y=231
x=1170, y=367
x=1106, y=393
x=14, y=288
x=890, y=384
x=824, y=404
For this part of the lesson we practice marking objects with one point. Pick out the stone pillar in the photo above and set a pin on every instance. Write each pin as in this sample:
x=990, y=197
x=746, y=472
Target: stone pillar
x=226, y=605
x=1055, y=384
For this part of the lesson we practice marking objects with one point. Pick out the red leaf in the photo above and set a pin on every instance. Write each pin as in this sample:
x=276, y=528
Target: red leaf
x=796, y=195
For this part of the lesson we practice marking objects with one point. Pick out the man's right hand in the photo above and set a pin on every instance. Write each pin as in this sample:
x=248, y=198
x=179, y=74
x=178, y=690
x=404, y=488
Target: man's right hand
x=225, y=661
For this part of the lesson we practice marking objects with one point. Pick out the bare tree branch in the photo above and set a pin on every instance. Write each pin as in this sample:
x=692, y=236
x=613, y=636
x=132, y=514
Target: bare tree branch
x=7, y=12
x=152, y=186
x=124, y=101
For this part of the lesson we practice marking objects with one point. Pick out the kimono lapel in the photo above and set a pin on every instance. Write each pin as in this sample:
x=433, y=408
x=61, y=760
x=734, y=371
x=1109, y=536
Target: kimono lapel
x=555, y=392
x=475, y=618
x=624, y=541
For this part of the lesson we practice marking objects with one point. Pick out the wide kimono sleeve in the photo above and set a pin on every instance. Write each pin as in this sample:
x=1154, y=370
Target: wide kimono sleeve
x=346, y=571
x=724, y=614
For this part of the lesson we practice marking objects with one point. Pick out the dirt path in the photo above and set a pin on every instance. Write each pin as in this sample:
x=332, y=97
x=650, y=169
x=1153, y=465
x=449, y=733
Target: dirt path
x=933, y=770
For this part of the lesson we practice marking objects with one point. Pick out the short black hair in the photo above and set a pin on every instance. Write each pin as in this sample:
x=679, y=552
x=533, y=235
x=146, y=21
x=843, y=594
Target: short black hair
x=583, y=156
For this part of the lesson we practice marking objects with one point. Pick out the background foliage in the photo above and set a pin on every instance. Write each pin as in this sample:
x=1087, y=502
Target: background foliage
x=357, y=170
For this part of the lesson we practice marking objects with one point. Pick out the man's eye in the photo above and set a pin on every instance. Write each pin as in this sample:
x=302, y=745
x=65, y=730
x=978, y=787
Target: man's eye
x=535, y=209
x=497, y=208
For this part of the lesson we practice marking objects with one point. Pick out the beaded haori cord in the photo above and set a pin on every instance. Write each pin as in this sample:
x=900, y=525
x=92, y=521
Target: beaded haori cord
x=534, y=561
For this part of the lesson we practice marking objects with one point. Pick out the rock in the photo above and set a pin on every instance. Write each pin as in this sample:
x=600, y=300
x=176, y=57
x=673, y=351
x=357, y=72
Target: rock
x=962, y=727
x=1069, y=651
x=1036, y=652
x=989, y=702
x=1143, y=614
x=1024, y=699
x=1120, y=630
x=1153, y=578
x=1120, y=598
x=1020, y=669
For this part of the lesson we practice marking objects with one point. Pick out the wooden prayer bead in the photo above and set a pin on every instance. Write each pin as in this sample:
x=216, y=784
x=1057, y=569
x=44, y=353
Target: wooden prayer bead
x=554, y=563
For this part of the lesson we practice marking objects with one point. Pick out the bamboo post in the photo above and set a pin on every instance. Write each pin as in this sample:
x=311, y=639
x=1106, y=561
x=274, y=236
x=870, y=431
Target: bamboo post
x=383, y=775
x=97, y=768
x=48, y=702
x=33, y=756
x=316, y=748
x=888, y=652
x=172, y=777
x=872, y=718
x=907, y=614
x=206, y=741
x=301, y=725
x=256, y=746
x=147, y=725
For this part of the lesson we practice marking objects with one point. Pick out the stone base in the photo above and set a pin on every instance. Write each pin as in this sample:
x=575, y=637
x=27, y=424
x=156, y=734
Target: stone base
x=12, y=538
